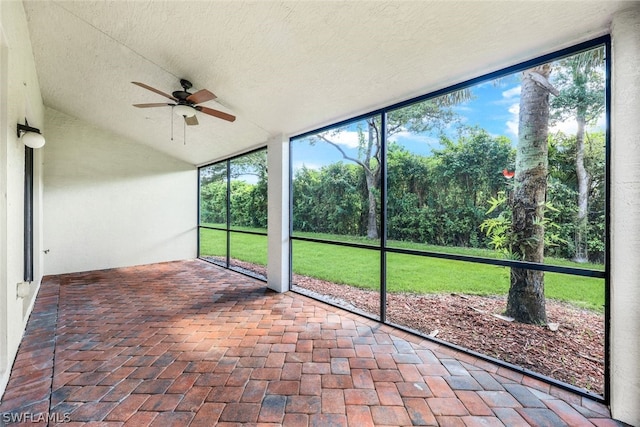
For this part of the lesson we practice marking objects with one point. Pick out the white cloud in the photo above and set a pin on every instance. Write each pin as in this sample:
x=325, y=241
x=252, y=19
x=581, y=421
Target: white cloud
x=509, y=96
x=347, y=138
x=512, y=93
x=568, y=127
x=512, y=123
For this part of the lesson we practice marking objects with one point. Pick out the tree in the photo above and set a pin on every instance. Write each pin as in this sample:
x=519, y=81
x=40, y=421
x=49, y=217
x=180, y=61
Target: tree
x=247, y=181
x=472, y=162
x=328, y=200
x=211, y=173
x=254, y=164
x=581, y=96
x=409, y=178
x=419, y=117
x=213, y=202
x=466, y=174
x=562, y=191
x=526, y=301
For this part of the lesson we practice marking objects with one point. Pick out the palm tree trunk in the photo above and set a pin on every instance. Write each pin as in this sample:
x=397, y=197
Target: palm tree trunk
x=526, y=302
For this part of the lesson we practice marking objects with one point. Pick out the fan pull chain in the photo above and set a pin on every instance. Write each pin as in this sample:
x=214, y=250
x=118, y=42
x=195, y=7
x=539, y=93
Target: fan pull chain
x=184, y=131
x=172, y=123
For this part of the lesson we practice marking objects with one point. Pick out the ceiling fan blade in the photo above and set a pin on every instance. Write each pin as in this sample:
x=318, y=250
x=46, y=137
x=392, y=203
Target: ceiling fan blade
x=191, y=121
x=216, y=113
x=159, y=92
x=157, y=104
x=202, y=95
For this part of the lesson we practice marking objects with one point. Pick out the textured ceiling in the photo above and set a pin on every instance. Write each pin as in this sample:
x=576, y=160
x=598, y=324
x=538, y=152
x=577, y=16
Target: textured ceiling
x=280, y=67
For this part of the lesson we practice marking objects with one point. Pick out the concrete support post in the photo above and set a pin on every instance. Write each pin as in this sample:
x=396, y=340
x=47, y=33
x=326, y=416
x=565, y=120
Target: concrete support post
x=278, y=223
x=625, y=217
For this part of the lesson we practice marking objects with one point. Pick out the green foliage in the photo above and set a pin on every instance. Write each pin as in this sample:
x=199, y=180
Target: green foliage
x=581, y=97
x=561, y=207
x=498, y=227
x=254, y=163
x=330, y=200
x=213, y=202
x=248, y=203
x=474, y=162
x=580, y=82
x=247, y=189
x=428, y=115
x=211, y=173
x=562, y=191
x=440, y=199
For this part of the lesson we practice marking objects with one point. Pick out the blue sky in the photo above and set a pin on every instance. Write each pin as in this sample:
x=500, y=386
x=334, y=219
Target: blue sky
x=494, y=107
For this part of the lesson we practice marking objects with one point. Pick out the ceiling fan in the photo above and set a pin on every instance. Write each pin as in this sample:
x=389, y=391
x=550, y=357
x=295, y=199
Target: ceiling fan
x=185, y=103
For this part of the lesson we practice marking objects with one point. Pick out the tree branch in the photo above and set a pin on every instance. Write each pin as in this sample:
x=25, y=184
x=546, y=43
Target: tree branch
x=376, y=155
x=344, y=154
x=391, y=130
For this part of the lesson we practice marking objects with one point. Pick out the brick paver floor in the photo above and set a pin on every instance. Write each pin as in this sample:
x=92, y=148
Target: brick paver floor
x=190, y=344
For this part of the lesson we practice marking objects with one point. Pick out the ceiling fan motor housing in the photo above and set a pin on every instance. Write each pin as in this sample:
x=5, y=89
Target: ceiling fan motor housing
x=182, y=95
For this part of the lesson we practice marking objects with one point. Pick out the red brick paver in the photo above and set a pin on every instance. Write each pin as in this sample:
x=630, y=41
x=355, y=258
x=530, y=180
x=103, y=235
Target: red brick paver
x=187, y=343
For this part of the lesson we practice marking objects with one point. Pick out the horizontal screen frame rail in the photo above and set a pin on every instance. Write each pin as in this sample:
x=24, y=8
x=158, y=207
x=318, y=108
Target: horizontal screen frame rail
x=599, y=274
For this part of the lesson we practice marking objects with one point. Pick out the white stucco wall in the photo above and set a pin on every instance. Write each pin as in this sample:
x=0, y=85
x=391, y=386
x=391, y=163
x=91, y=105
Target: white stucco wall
x=19, y=98
x=625, y=217
x=109, y=202
x=278, y=218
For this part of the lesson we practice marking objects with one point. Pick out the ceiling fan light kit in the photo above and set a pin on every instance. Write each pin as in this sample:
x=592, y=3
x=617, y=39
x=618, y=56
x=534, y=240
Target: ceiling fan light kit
x=184, y=110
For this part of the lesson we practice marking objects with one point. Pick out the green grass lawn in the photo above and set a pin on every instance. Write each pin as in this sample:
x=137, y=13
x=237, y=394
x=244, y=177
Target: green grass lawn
x=405, y=273
x=245, y=247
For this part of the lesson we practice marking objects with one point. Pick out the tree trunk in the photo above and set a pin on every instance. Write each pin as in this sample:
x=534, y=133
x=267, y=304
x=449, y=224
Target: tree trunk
x=372, y=176
x=526, y=302
x=582, y=254
x=372, y=218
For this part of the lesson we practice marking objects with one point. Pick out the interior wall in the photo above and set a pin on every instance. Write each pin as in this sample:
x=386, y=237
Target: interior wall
x=19, y=99
x=625, y=217
x=110, y=202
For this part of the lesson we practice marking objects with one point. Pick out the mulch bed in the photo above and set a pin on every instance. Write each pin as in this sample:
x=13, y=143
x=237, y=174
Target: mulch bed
x=573, y=353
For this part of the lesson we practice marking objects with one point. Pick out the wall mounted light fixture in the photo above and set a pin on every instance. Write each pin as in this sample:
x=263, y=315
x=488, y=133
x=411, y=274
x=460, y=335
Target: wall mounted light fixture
x=30, y=136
